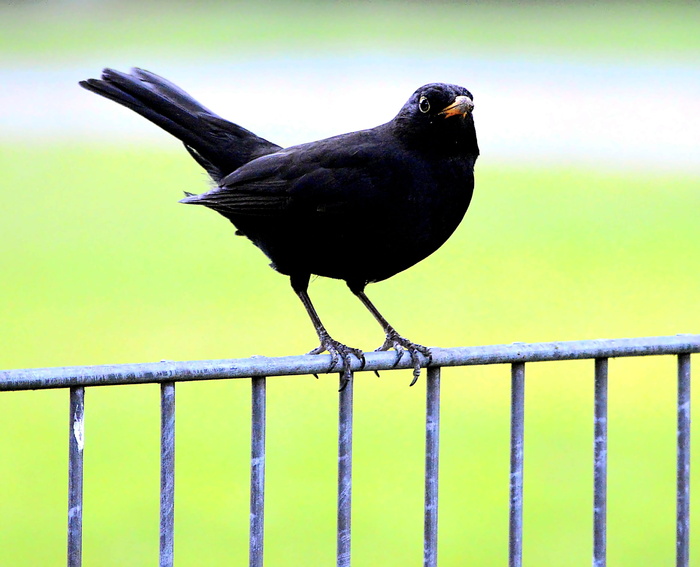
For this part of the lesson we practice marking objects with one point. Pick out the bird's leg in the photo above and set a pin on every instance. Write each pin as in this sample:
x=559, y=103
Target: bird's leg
x=394, y=340
x=336, y=349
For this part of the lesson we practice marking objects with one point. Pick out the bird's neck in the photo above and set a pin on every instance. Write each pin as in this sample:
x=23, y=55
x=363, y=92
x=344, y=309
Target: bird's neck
x=442, y=142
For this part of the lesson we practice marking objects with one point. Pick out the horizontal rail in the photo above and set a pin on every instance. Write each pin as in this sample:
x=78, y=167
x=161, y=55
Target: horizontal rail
x=170, y=371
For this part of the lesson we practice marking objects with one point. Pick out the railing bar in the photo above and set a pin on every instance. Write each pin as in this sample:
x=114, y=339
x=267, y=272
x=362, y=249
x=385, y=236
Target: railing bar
x=600, y=463
x=683, y=471
x=344, y=471
x=169, y=371
x=432, y=450
x=167, y=473
x=257, y=472
x=517, y=435
x=76, y=444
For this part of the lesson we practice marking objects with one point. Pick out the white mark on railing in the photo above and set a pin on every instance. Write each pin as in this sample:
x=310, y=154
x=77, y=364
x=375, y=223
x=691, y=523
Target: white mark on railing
x=79, y=431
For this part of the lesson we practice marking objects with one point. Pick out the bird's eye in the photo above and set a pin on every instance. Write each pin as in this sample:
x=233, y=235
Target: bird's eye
x=423, y=105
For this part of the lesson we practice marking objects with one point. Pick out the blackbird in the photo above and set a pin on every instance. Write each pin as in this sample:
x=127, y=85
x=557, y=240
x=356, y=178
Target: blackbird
x=358, y=207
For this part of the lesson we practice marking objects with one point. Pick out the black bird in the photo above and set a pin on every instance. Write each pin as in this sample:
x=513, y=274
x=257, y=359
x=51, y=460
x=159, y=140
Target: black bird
x=358, y=207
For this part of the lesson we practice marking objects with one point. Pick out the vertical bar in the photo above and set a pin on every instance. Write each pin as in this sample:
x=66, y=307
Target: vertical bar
x=344, y=470
x=76, y=443
x=600, y=463
x=257, y=473
x=517, y=433
x=683, y=472
x=167, y=473
x=432, y=450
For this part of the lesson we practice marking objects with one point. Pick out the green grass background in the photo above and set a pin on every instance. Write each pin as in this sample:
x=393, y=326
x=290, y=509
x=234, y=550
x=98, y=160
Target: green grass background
x=100, y=264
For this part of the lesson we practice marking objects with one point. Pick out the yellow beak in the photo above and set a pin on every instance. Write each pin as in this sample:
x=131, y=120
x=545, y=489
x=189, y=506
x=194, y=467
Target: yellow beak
x=462, y=105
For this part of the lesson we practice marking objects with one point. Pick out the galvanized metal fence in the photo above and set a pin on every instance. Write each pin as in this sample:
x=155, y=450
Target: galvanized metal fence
x=259, y=368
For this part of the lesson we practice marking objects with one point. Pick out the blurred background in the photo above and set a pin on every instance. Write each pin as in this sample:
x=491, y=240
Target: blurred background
x=584, y=225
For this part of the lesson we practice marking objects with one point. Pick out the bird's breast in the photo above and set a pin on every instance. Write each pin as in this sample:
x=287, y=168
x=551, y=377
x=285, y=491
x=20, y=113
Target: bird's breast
x=416, y=221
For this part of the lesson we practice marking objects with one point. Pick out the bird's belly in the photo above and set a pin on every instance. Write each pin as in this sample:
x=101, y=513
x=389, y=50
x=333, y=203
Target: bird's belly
x=367, y=247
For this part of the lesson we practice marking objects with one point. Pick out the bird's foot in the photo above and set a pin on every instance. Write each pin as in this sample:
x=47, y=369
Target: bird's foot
x=340, y=352
x=400, y=344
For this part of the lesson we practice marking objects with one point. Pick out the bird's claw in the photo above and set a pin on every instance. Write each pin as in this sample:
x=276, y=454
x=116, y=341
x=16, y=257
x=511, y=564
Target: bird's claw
x=401, y=345
x=340, y=352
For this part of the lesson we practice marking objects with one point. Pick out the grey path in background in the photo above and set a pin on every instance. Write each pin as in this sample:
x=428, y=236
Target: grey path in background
x=602, y=115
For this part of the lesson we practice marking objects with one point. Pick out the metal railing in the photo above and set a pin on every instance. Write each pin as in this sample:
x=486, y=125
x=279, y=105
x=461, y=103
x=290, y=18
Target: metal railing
x=257, y=369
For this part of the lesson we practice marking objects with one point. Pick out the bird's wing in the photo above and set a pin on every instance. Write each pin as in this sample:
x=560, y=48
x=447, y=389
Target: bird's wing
x=337, y=176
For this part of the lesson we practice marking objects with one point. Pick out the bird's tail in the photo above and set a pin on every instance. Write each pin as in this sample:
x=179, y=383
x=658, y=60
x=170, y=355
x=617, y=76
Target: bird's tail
x=218, y=145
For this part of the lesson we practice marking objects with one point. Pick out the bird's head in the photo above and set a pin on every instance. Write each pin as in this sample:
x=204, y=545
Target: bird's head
x=439, y=115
